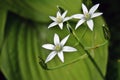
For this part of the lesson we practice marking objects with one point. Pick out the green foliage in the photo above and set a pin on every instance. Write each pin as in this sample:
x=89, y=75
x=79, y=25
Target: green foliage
x=3, y=15
x=36, y=9
x=23, y=37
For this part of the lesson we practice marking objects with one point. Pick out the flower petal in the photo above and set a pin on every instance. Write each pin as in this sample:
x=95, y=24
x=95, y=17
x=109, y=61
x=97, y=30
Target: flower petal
x=69, y=49
x=64, y=40
x=50, y=56
x=64, y=14
x=78, y=16
x=53, y=18
x=94, y=8
x=61, y=56
x=90, y=24
x=79, y=23
x=61, y=25
x=52, y=24
x=56, y=39
x=84, y=8
x=48, y=46
x=96, y=15
x=67, y=18
x=58, y=14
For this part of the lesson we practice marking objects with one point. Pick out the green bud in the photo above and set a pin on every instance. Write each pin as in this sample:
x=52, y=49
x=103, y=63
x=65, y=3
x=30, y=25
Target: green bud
x=43, y=64
x=106, y=32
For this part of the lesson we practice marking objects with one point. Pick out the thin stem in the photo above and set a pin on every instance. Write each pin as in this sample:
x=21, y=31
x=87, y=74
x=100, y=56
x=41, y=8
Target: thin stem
x=90, y=57
x=73, y=61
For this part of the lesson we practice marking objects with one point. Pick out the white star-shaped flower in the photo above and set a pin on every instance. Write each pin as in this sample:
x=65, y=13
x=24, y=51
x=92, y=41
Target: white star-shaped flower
x=87, y=16
x=58, y=48
x=59, y=19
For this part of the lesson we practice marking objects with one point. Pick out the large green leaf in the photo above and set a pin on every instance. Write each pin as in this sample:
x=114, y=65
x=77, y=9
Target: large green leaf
x=24, y=38
x=23, y=46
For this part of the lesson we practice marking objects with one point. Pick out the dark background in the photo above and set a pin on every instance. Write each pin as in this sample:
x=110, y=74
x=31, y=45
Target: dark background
x=111, y=10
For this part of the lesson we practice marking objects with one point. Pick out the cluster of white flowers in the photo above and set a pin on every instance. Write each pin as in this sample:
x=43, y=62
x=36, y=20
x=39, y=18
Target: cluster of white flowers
x=58, y=48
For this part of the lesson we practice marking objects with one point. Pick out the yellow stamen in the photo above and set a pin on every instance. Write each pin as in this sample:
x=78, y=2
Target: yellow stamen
x=87, y=16
x=59, y=19
x=58, y=47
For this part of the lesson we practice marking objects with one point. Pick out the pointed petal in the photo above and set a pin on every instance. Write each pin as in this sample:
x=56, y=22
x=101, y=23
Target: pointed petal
x=58, y=14
x=84, y=8
x=94, y=8
x=90, y=24
x=50, y=56
x=96, y=15
x=61, y=56
x=64, y=14
x=61, y=25
x=64, y=40
x=79, y=23
x=52, y=24
x=78, y=16
x=48, y=46
x=53, y=18
x=69, y=49
x=56, y=39
x=67, y=18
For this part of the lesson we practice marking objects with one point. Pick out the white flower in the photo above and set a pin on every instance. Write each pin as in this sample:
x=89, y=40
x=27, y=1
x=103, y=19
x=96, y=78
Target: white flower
x=59, y=19
x=87, y=16
x=58, y=48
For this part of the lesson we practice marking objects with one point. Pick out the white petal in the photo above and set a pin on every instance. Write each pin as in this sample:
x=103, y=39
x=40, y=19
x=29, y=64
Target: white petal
x=69, y=49
x=61, y=56
x=52, y=24
x=61, y=25
x=53, y=18
x=58, y=14
x=90, y=24
x=93, y=9
x=64, y=40
x=56, y=39
x=78, y=16
x=67, y=18
x=79, y=23
x=84, y=8
x=48, y=46
x=96, y=15
x=50, y=56
x=64, y=14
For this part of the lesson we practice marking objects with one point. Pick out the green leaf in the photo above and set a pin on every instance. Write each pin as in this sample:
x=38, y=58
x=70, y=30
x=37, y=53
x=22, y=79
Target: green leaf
x=23, y=40
x=22, y=48
x=40, y=10
x=3, y=14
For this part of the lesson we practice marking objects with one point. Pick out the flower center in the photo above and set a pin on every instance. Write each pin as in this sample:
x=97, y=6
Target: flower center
x=87, y=16
x=58, y=47
x=59, y=19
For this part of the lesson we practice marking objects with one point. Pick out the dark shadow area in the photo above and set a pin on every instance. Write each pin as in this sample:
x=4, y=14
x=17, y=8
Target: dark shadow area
x=2, y=76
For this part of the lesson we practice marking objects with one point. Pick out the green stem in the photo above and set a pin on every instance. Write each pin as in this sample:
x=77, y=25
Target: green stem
x=73, y=61
x=90, y=57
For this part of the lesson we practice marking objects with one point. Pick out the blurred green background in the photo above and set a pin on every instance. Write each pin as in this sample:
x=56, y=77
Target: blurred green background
x=111, y=14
